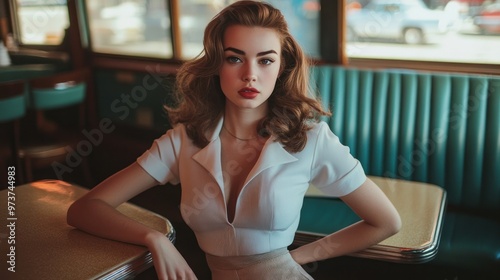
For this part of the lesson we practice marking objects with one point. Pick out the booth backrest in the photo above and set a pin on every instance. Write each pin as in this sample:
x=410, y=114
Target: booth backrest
x=437, y=128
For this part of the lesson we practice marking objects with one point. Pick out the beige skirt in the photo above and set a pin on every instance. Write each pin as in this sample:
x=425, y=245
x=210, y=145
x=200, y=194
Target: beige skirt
x=275, y=265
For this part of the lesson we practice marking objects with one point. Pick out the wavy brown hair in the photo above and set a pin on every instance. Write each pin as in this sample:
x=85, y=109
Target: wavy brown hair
x=292, y=106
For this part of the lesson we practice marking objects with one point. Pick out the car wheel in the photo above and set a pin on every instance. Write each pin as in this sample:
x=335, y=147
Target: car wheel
x=484, y=30
x=413, y=36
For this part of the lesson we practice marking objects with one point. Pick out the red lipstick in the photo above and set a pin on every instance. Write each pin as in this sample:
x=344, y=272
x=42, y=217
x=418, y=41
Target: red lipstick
x=248, y=92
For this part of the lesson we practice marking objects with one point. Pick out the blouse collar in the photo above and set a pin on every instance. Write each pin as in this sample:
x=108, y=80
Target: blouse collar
x=273, y=153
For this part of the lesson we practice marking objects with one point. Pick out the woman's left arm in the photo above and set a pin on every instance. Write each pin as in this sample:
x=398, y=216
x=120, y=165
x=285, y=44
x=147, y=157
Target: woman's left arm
x=379, y=220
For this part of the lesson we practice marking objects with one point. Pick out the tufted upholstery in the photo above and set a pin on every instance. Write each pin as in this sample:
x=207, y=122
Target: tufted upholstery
x=438, y=128
x=442, y=129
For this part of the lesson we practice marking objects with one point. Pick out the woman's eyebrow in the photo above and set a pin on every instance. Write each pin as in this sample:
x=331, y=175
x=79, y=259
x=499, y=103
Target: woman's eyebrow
x=235, y=50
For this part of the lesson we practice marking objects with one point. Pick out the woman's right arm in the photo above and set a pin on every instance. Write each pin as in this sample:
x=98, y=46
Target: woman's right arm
x=96, y=214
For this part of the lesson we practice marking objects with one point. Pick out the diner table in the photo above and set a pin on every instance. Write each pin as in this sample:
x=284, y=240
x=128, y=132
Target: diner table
x=421, y=208
x=26, y=72
x=37, y=243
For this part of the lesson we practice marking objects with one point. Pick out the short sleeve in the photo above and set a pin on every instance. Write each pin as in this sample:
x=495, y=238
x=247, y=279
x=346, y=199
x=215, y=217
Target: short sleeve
x=160, y=160
x=335, y=171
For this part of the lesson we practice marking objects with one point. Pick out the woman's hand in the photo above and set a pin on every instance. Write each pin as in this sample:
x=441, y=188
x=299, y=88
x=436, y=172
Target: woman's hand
x=168, y=262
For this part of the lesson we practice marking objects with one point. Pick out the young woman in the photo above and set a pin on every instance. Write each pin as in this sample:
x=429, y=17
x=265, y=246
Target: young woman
x=246, y=135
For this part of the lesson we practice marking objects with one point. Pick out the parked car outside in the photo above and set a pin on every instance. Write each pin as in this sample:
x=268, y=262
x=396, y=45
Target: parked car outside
x=407, y=21
x=488, y=19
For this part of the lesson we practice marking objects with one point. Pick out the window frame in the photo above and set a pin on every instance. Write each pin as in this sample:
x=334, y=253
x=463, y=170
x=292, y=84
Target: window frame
x=332, y=46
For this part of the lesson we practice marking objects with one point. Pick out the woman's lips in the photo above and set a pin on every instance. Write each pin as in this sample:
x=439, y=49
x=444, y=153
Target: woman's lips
x=248, y=93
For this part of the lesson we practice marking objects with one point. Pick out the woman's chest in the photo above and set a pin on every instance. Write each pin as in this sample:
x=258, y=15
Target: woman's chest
x=271, y=187
x=270, y=199
x=237, y=161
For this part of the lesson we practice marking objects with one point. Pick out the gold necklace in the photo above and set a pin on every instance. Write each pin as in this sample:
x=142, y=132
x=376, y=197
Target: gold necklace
x=242, y=139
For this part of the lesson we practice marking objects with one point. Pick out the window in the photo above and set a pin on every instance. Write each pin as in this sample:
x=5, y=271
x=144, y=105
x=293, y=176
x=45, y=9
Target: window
x=194, y=17
x=41, y=22
x=144, y=28
x=302, y=17
x=126, y=27
x=464, y=31
x=439, y=31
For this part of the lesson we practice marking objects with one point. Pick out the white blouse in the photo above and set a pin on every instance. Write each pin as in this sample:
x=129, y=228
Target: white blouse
x=268, y=206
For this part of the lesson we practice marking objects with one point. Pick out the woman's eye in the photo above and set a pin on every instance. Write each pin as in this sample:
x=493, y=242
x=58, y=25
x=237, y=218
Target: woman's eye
x=233, y=59
x=266, y=61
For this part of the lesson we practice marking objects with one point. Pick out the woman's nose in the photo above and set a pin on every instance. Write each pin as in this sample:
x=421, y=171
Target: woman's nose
x=249, y=78
x=249, y=74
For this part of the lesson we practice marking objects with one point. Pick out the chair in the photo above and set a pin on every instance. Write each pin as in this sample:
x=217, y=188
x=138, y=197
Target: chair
x=12, y=109
x=54, y=142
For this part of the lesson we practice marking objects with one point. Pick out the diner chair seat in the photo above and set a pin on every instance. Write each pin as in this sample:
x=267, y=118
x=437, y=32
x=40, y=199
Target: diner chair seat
x=12, y=109
x=49, y=141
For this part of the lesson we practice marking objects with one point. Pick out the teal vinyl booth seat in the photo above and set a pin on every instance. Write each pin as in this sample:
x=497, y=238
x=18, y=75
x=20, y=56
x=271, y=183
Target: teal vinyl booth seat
x=12, y=101
x=438, y=128
x=48, y=143
x=26, y=72
x=12, y=109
